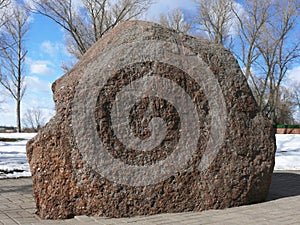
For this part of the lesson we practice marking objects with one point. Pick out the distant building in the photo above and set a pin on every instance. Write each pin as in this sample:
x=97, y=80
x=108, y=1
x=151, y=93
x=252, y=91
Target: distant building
x=4, y=129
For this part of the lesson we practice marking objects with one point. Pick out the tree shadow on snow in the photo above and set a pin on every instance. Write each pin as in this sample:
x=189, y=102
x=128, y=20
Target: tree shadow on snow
x=284, y=184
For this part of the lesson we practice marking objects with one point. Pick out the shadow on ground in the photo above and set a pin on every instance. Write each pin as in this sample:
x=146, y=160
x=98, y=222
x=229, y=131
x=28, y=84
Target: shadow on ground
x=284, y=184
x=16, y=186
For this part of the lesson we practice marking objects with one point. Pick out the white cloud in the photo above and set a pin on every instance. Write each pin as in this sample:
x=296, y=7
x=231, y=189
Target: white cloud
x=54, y=49
x=8, y=115
x=35, y=84
x=31, y=3
x=165, y=6
x=38, y=95
x=50, y=48
x=7, y=110
x=294, y=75
x=40, y=67
x=44, y=104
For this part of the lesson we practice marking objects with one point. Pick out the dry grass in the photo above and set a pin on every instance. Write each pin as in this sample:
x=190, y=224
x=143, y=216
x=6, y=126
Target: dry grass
x=11, y=139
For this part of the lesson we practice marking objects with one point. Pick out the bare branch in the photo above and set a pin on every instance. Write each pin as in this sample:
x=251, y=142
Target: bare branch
x=176, y=20
x=87, y=23
x=4, y=3
x=278, y=51
x=34, y=119
x=215, y=19
x=3, y=13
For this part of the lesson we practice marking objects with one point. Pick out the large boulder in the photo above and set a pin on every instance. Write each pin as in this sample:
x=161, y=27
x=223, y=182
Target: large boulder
x=151, y=121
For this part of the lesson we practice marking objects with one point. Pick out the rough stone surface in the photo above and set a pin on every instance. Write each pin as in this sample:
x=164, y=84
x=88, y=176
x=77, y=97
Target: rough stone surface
x=66, y=181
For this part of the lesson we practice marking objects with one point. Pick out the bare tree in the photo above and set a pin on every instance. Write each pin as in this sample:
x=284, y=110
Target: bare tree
x=87, y=22
x=266, y=42
x=215, y=19
x=176, y=20
x=251, y=22
x=33, y=119
x=297, y=96
x=295, y=86
x=279, y=48
x=285, y=106
x=13, y=57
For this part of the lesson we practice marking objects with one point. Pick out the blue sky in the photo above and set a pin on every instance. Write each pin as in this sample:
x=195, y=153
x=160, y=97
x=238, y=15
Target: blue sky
x=46, y=52
x=42, y=68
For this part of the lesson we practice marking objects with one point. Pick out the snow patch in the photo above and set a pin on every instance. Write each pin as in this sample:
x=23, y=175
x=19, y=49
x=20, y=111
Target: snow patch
x=13, y=158
x=288, y=152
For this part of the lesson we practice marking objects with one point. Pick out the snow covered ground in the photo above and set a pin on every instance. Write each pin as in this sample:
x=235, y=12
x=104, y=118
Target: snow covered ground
x=288, y=152
x=13, y=159
x=14, y=163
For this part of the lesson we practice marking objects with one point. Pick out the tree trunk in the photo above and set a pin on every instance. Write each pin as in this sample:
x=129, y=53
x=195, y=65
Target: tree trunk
x=19, y=130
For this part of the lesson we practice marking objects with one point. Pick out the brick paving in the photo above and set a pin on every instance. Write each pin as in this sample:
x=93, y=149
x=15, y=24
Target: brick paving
x=282, y=207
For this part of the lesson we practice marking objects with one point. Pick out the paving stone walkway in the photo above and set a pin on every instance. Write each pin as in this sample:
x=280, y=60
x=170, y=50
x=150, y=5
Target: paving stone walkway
x=283, y=207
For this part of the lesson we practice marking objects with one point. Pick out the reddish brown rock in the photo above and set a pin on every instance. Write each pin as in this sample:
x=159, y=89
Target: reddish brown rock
x=211, y=148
